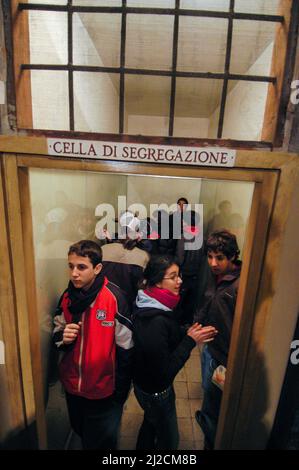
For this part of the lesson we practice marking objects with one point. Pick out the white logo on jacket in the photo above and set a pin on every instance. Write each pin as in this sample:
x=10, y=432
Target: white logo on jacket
x=101, y=314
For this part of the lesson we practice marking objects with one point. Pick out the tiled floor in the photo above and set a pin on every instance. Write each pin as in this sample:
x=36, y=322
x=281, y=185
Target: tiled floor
x=188, y=400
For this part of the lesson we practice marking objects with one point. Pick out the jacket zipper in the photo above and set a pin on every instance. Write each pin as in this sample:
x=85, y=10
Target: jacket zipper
x=81, y=354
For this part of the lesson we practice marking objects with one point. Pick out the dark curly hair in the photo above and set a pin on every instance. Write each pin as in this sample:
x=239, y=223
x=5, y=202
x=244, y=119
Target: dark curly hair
x=223, y=241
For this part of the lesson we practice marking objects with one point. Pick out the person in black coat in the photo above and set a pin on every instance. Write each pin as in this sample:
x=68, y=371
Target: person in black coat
x=161, y=350
x=218, y=310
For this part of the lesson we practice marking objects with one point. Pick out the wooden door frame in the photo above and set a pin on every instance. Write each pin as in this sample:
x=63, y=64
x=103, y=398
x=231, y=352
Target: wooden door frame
x=275, y=176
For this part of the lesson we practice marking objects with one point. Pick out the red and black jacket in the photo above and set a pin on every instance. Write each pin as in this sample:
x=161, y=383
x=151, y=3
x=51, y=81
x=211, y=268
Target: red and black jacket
x=98, y=363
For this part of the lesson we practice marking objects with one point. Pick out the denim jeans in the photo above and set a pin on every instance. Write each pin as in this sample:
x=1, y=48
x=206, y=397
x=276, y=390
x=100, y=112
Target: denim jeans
x=159, y=429
x=95, y=421
x=212, y=397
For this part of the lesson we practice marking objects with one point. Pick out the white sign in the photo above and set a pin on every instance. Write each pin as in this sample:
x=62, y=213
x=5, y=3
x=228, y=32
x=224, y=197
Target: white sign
x=116, y=151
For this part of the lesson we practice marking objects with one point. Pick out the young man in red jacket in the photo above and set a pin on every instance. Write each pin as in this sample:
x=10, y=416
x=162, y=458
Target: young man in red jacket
x=93, y=328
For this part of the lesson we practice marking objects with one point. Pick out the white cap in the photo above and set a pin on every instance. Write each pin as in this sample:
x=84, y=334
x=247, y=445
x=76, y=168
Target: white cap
x=128, y=219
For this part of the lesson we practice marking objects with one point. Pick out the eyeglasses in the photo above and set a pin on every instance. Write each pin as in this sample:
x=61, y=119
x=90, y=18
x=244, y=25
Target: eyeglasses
x=174, y=277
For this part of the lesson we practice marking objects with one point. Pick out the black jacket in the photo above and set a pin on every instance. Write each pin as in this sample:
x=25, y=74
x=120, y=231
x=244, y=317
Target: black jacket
x=161, y=346
x=218, y=310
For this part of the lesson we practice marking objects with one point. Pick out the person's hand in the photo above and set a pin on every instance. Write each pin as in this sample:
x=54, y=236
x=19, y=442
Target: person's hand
x=202, y=334
x=106, y=234
x=70, y=332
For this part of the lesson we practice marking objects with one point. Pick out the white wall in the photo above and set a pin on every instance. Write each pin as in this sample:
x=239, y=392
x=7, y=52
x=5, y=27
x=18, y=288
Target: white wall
x=147, y=125
x=96, y=97
x=190, y=127
x=245, y=105
x=154, y=190
x=49, y=89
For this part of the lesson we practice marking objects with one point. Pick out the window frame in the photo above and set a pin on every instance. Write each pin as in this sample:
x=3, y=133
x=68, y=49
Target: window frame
x=281, y=69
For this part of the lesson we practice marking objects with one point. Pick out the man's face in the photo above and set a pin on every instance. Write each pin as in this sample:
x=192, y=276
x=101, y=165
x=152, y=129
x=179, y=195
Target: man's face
x=219, y=263
x=182, y=205
x=82, y=272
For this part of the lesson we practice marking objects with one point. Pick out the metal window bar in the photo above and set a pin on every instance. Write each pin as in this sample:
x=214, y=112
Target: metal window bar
x=122, y=70
x=174, y=64
x=151, y=11
x=226, y=69
x=70, y=63
x=122, y=67
x=161, y=73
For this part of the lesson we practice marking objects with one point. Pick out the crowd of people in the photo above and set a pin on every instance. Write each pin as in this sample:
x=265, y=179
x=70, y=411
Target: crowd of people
x=131, y=315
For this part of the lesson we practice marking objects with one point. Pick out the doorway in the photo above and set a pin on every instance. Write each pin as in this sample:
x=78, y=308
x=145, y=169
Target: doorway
x=63, y=205
x=270, y=206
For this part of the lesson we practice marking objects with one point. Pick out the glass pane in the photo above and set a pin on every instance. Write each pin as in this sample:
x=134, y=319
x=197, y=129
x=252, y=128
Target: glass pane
x=147, y=105
x=252, y=47
x=263, y=7
x=145, y=36
x=244, y=110
x=226, y=205
x=96, y=102
x=213, y=5
x=48, y=37
x=202, y=44
x=63, y=212
x=50, y=102
x=96, y=39
x=196, y=103
x=97, y=3
x=153, y=3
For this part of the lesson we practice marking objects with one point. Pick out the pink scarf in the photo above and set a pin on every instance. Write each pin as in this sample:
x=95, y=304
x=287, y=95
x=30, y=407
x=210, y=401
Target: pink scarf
x=164, y=296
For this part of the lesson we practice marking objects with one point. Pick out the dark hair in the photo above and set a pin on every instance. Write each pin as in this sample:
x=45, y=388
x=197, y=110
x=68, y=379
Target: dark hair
x=182, y=199
x=87, y=249
x=223, y=241
x=156, y=268
x=129, y=243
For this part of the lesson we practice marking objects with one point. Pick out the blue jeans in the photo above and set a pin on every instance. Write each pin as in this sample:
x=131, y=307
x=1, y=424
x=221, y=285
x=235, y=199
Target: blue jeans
x=212, y=397
x=159, y=429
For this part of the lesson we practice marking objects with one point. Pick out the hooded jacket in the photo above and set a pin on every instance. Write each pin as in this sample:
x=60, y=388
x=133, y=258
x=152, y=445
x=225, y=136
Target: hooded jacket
x=161, y=346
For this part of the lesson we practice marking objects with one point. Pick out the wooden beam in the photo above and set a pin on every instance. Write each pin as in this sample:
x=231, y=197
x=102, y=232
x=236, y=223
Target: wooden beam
x=21, y=53
x=277, y=70
x=33, y=314
x=13, y=209
x=245, y=309
x=276, y=314
x=8, y=314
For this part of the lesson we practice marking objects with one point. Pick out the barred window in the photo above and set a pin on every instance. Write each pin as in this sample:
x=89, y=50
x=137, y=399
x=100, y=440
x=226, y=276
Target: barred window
x=201, y=69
